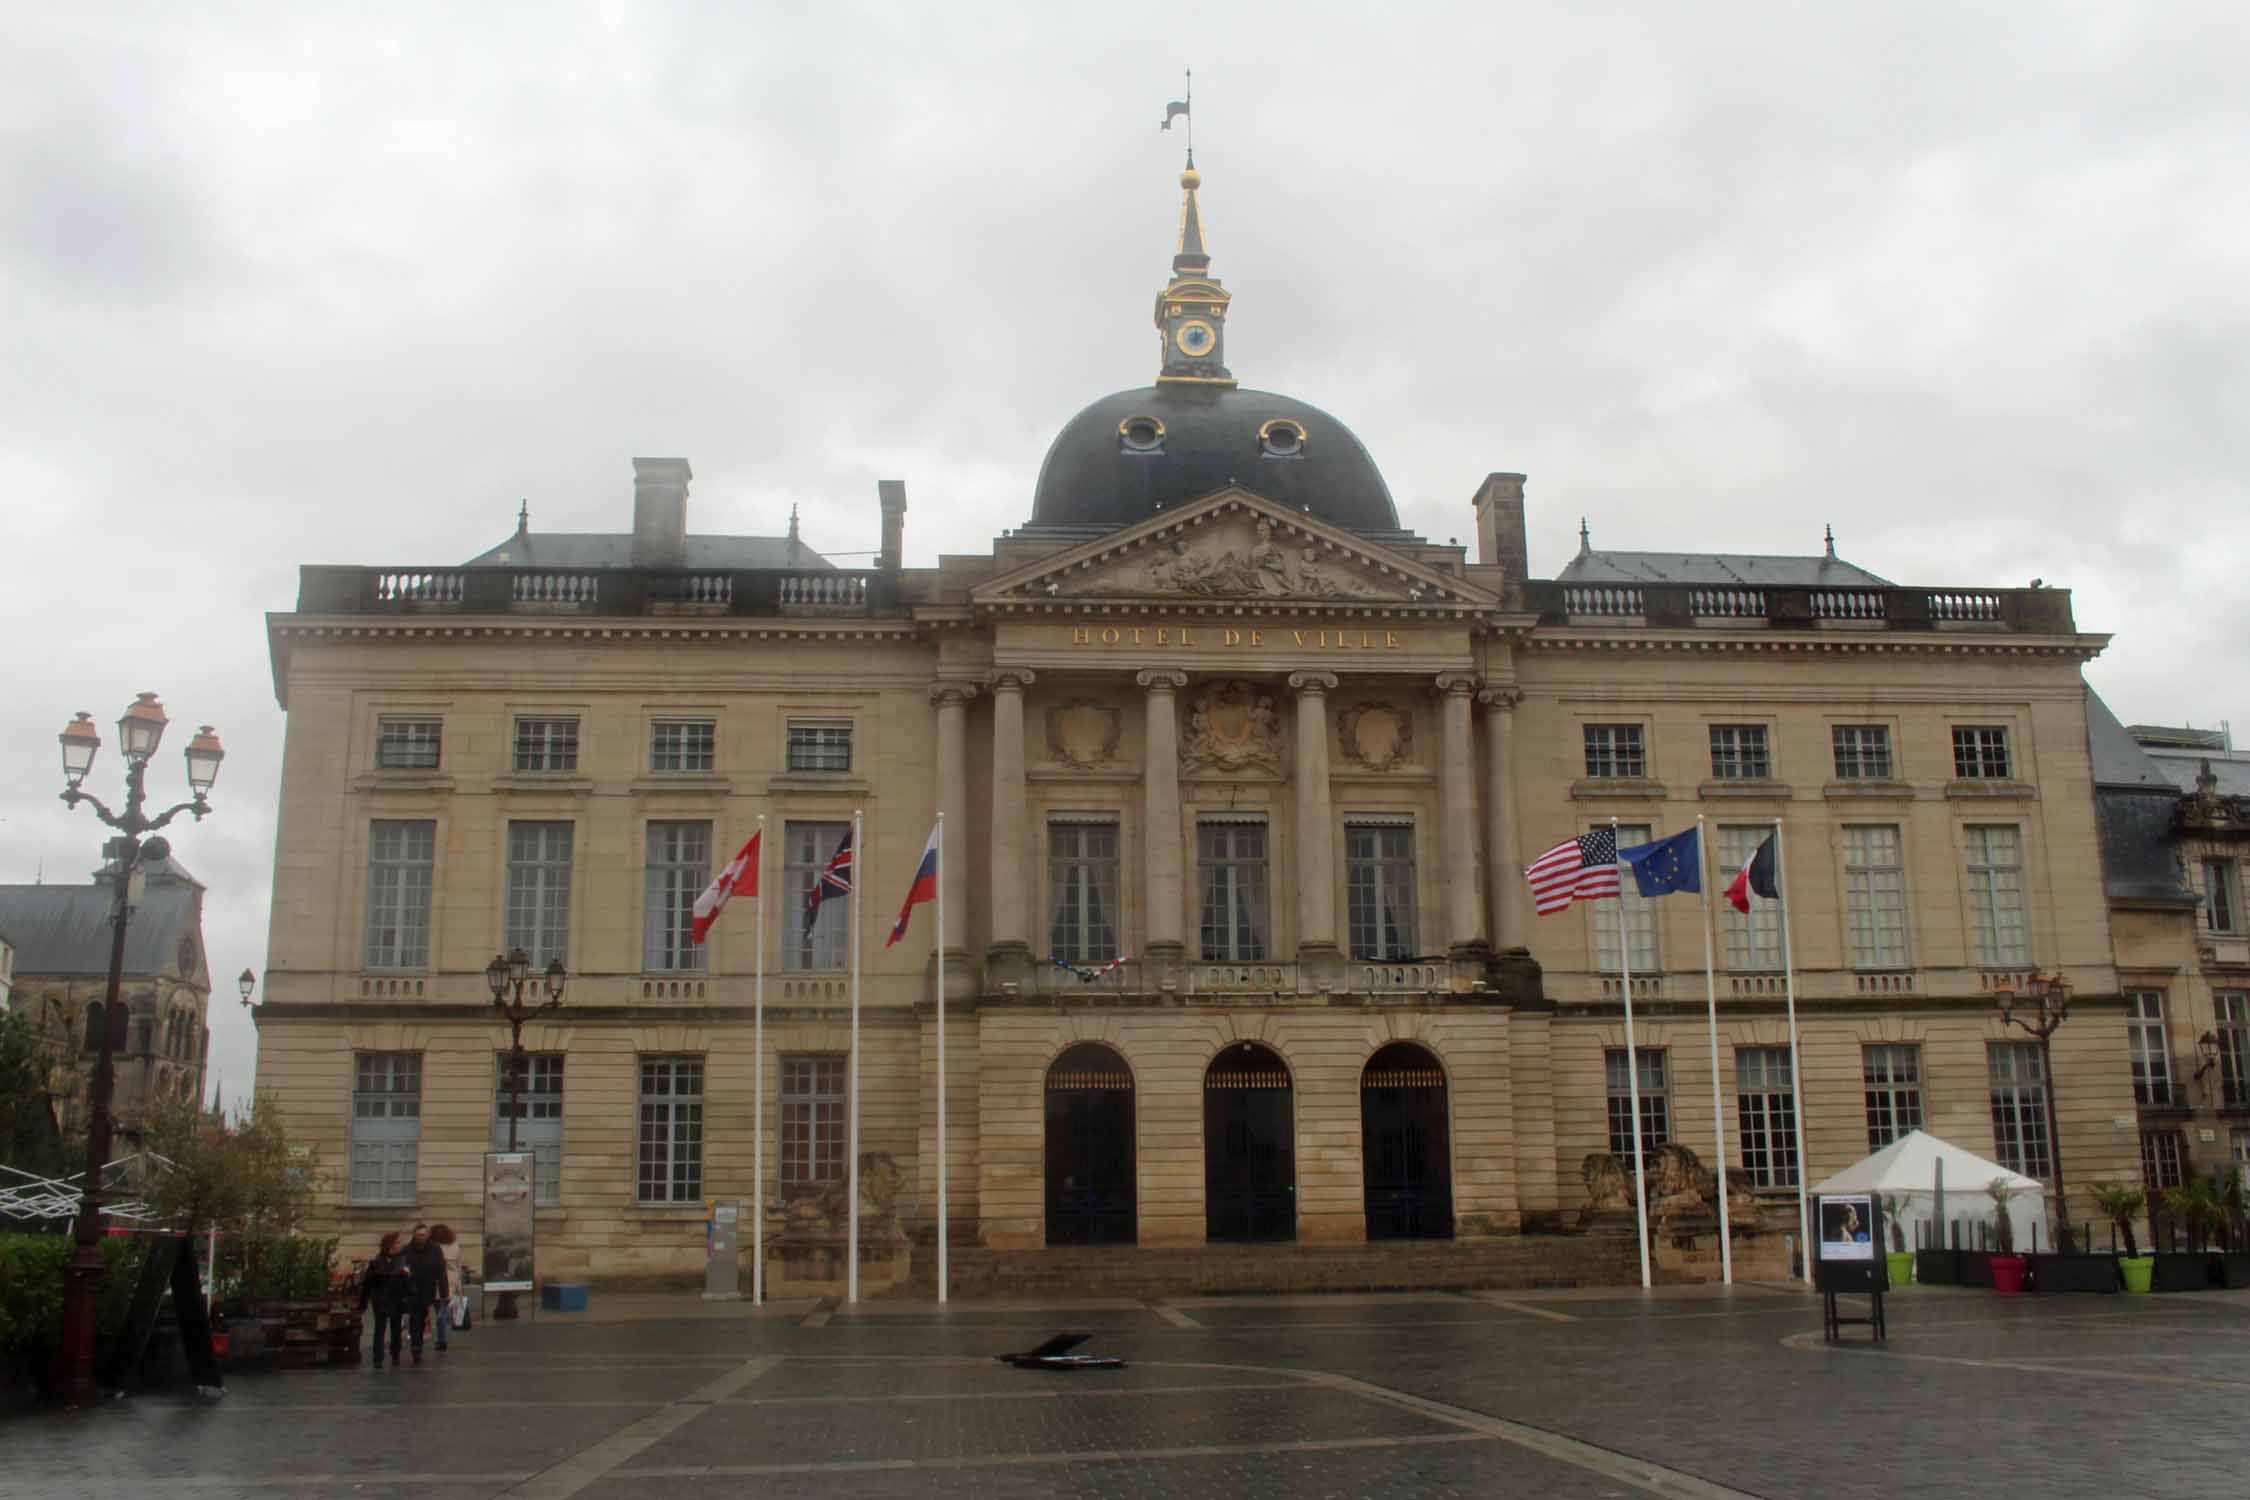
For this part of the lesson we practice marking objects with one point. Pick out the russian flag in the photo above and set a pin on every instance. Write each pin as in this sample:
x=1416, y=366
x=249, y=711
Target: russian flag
x=923, y=889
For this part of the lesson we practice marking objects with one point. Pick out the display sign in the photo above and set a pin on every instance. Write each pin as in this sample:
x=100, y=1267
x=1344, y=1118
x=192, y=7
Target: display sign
x=723, y=1250
x=508, y=1178
x=1847, y=1228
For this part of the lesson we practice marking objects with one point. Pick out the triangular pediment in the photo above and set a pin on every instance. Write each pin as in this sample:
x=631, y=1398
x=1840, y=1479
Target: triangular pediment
x=1238, y=548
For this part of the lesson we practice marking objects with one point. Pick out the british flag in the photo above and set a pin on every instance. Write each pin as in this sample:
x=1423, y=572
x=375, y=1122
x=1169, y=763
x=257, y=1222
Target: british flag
x=835, y=881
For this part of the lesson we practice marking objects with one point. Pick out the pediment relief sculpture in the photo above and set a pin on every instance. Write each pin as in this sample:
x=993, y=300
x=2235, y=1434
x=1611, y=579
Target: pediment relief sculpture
x=1376, y=736
x=1257, y=567
x=1232, y=726
x=1084, y=734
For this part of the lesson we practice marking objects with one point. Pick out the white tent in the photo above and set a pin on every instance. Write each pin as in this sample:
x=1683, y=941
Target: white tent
x=1907, y=1170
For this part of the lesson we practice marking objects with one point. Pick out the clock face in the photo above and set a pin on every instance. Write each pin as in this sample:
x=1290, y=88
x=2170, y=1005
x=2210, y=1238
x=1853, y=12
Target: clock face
x=1196, y=339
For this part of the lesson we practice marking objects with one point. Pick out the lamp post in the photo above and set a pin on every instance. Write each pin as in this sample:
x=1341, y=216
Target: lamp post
x=509, y=979
x=2048, y=996
x=139, y=731
x=247, y=983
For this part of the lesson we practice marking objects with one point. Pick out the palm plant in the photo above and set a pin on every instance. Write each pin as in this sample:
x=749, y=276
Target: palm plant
x=2003, y=1227
x=2196, y=1204
x=2121, y=1204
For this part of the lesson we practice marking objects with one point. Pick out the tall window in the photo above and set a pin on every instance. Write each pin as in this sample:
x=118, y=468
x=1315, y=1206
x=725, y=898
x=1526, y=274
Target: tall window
x=1892, y=1073
x=1752, y=940
x=1379, y=888
x=1996, y=895
x=2222, y=908
x=539, y=890
x=671, y=1144
x=1863, y=752
x=1656, y=1104
x=679, y=867
x=683, y=745
x=1082, y=889
x=401, y=853
x=812, y=1120
x=539, y=1104
x=806, y=850
x=1980, y=752
x=2163, y=1160
x=386, y=1125
x=2019, y=1108
x=1637, y=911
x=1231, y=866
x=406, y=744
x=2234, y=1047
x=1874, y=897
x=2150, y=1048
x=546, y=744
x=1739, y=753
x=1767, y=1103
x=1615, y=750
x=820, y=745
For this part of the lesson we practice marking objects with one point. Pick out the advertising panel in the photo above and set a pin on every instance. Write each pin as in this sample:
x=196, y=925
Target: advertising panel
x=508, y=1178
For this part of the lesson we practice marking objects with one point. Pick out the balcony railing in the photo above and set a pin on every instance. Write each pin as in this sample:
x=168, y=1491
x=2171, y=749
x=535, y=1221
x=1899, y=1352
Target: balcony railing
x=595, y=591
x=2034, y=611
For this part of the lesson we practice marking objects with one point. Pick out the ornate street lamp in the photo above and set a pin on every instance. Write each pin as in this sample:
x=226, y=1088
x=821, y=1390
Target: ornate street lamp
x=2048, y=999
x=509, y=978
x=139, y=731
x=247, y=983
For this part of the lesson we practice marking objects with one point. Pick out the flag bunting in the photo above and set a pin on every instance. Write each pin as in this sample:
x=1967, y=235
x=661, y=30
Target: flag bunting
x=1088, y=973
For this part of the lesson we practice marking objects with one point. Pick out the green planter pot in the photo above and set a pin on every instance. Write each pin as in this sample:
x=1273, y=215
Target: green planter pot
x=1901, y=1264
x=2138, y=1270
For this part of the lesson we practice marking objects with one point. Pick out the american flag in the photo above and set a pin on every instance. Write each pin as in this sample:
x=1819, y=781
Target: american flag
x=836, y=880
x=1579, y=869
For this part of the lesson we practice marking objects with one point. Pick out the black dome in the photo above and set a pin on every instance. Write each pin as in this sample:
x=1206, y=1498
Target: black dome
x=1094, y=479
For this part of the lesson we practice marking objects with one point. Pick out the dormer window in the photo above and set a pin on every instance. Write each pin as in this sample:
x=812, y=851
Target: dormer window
x=1281, y=438
x=1141, y=435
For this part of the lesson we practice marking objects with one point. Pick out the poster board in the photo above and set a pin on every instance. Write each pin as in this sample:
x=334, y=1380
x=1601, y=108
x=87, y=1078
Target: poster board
x=508, y=1226
x=1848, y=1243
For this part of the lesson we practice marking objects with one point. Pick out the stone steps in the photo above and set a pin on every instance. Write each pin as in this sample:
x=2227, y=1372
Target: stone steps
x=1208, y=1270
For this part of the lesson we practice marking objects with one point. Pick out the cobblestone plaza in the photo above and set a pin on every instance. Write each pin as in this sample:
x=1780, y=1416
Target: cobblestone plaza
x=1691, y=1391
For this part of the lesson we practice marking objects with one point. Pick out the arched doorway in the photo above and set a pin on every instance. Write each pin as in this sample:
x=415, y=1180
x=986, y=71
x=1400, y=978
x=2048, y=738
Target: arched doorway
x=1408, y=1153
x=1090, y=1197
x=1249, y=1146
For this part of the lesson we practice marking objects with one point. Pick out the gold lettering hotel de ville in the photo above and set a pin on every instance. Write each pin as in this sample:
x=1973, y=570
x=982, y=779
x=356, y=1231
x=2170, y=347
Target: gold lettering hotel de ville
x=1239, y=780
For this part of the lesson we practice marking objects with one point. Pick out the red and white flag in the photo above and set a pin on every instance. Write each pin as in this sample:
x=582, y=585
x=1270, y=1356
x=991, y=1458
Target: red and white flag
x=923, y=889
x=1579, y=869
x=740, y=877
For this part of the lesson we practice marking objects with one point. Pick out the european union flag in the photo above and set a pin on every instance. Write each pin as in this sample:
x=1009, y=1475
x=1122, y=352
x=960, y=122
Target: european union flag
x=1668, y=865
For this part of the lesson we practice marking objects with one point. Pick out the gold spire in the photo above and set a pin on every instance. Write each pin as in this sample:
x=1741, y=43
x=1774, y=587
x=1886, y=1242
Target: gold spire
x=1191, y=310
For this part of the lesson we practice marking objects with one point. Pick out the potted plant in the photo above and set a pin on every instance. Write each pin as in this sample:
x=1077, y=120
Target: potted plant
x=2193, y=1209
x=1898, y=1260
x=2008, y=1268
x=2121, y=1204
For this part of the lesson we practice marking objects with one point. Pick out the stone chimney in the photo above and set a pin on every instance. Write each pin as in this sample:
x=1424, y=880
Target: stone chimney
x=892, y=494
x=1500, y=535
x=660, y=512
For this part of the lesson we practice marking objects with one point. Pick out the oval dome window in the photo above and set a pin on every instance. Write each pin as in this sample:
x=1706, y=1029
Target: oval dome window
x=1281, y=438
x=1141, y=434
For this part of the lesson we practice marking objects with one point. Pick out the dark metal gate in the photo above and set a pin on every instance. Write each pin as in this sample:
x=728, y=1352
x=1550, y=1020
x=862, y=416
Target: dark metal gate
x=1090, y=1192
x=1249, y=1146
x=1402, y=1118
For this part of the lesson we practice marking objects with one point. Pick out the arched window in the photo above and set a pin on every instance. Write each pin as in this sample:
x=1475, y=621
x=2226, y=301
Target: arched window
x=94, y=1012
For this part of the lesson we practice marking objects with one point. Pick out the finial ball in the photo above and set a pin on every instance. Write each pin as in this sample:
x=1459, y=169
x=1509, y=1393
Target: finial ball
x=1191, y=179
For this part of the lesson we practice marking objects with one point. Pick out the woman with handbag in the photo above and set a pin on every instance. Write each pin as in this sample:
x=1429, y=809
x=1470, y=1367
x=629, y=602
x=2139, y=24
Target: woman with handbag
x=452, y=1311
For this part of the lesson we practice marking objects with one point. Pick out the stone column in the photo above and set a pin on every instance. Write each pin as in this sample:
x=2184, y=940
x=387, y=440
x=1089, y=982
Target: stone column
x=952, y=700
x=1316, y=837
x=1501, y=837
x=1464, y=916
x=1162, y=865
x=1010, y=909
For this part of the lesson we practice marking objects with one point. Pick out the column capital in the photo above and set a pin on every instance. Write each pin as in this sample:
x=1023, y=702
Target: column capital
x=1010, y=679
x=1313, y=683
x=1161, y=680
x=1501, y=699
x=953, y=694
x=1456, y=684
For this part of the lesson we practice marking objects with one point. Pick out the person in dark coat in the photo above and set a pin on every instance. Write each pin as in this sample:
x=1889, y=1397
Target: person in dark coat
x=388, y=1284
x=425, y=1263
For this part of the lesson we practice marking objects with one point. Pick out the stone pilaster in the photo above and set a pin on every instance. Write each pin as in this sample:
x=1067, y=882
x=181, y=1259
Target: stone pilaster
x=1501, y=836
x=1161, y=861
x=1010, y=910
x=1464, y=915
x=952, y=701
x=1316, y=832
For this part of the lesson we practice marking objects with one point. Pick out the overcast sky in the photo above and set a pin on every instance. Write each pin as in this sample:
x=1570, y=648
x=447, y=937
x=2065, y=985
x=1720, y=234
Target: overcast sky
x=297, y=283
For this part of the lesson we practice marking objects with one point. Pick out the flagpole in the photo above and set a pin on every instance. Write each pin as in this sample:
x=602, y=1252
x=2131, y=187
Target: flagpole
x=1796, y=1072
x=1711, y=1004
x=944, y=1223
x=758, y=1072
x=1632, y=1056
x=859, y=857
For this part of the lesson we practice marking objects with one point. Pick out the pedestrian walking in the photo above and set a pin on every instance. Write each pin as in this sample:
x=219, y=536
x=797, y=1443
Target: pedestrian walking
x=451, y=1308
x=388, y=1286
x=425, y=1264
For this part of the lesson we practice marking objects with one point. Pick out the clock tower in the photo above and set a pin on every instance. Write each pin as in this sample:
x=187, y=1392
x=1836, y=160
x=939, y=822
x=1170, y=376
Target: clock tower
x=1191, y=312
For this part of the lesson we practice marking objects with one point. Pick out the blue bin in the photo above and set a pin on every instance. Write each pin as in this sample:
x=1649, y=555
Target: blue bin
x=562, y=1296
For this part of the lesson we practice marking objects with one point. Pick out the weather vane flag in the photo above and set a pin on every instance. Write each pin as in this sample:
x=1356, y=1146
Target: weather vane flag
x=1179, y=107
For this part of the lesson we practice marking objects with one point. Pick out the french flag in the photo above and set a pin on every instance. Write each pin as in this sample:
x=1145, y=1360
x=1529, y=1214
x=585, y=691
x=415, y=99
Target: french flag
x=923, y=889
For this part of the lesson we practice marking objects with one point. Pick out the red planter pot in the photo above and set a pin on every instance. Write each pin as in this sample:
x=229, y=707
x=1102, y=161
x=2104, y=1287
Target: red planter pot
x=2008, y=1272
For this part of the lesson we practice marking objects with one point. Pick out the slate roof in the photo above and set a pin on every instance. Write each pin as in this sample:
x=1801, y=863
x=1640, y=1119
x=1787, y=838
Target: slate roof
x=1719, y=569
x=614, y=549
x=63, y=930
x=2119, y=760
x=2181, y=767
x=2135, y=805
